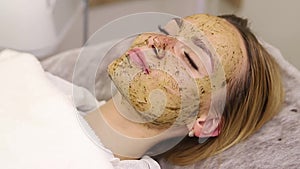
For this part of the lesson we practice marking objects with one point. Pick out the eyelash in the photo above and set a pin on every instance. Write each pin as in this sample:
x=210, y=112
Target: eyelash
x=155, y=50
x=192, y=63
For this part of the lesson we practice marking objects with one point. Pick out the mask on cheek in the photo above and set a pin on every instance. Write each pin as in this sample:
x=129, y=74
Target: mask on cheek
x=159, y=89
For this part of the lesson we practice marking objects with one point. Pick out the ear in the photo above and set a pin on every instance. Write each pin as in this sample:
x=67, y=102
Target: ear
x=206, y=127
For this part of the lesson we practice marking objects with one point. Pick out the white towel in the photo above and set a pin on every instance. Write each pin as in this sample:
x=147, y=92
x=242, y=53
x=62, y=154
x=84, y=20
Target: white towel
x=31, y=134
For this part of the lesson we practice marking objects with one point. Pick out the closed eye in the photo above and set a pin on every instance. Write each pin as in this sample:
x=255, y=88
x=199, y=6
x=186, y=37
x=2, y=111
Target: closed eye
x=192, y=63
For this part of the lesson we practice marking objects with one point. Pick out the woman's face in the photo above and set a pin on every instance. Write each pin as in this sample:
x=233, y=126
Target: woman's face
x=167, y=79
x=157, y=77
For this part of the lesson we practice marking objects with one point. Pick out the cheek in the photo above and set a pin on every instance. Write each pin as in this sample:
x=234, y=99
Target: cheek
x=163, y=99
x=205, y=90
x=156, y=96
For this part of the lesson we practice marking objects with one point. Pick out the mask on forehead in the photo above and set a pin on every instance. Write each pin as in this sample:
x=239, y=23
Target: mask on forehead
x=153, y=77
x=223, y=38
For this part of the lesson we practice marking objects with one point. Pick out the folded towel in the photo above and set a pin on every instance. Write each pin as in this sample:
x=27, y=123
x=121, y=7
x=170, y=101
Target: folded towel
x=32, y=135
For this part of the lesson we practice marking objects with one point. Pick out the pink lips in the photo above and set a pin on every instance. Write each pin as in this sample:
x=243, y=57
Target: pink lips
x=137, y=57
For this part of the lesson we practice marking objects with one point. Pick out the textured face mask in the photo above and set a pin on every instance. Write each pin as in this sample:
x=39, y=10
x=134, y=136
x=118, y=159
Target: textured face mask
x=225, y=47
x=223, y=38
x=162, y=79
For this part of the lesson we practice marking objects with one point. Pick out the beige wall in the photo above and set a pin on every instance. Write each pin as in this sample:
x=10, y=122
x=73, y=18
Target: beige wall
x=103, y=14
x=276, y=21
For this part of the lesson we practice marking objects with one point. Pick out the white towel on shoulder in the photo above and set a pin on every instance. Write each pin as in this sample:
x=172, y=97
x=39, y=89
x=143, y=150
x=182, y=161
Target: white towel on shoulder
x=38, y=125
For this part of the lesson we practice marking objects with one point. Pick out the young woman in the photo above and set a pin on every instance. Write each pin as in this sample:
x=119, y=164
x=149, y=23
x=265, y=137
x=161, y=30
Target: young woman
x=206, y=83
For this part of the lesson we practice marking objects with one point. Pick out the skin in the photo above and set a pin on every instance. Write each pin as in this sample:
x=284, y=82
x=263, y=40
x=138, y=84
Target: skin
x=226, y=46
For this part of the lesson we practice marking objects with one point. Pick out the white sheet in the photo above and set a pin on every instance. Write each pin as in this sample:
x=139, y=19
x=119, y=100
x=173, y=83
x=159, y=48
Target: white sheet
x=31, y=134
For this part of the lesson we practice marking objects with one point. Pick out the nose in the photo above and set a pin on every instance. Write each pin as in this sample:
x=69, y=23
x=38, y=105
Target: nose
x=161, y=45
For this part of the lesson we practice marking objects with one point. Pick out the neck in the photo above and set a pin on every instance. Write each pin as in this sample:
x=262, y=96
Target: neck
x=126, y=138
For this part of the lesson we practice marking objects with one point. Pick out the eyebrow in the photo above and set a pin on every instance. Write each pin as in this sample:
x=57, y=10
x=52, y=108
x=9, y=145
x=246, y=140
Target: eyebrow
x=163, y=30
x=179, y=22
x=198, y=42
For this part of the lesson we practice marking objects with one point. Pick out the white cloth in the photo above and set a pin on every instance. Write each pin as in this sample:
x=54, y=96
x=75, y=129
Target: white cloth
x=85, y=102
x=38, y=124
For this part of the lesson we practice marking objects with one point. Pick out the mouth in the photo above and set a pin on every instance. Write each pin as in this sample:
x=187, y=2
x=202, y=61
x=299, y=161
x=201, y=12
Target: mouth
x=138, y=58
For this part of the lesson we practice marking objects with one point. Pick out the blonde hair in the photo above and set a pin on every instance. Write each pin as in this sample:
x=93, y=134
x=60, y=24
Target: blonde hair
x=252, y=100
